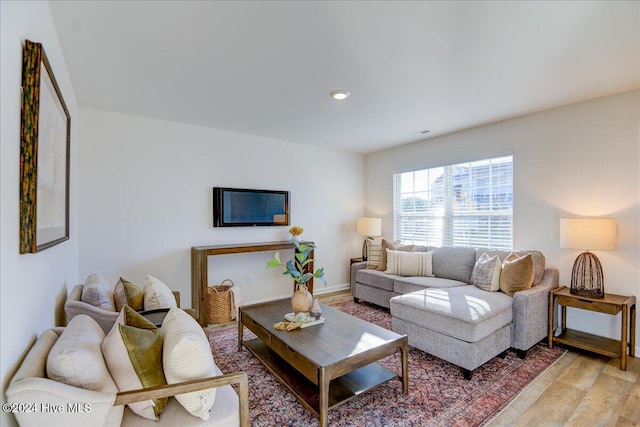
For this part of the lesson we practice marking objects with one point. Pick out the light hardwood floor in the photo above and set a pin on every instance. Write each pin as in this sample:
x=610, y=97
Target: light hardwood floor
x=578, y=390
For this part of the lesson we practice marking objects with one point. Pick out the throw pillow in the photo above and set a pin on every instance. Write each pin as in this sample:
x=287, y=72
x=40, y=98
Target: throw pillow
x=98, y=292
x=187, y=356
x=157, y=295
x=517, y=274
x=127, y=293
x=76, y=358
x=374, y=251
x=486, y=273
x=133, y=352
x=409, y=263
x=385, y=244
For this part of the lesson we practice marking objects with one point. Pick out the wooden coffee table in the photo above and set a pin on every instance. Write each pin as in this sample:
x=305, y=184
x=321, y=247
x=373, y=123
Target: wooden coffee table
x=333, y=362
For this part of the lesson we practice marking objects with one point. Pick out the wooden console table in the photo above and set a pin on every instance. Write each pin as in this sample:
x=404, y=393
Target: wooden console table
x=610, y=304
x=200, y=269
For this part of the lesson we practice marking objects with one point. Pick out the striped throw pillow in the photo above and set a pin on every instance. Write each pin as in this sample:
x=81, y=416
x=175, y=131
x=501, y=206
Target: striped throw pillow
x=410, y=263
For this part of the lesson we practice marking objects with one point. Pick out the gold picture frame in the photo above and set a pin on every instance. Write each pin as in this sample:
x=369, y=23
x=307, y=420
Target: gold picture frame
x=45, y=141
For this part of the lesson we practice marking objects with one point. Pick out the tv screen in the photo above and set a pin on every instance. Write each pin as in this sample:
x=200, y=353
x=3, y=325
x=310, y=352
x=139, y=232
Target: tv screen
x=239, y=207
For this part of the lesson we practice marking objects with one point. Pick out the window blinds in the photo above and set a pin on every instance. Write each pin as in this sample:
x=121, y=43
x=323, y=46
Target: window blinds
x=466, y=204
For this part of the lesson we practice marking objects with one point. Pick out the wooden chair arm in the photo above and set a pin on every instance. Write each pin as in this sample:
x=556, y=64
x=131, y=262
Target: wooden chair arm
x=176, y=294
x=240, y=378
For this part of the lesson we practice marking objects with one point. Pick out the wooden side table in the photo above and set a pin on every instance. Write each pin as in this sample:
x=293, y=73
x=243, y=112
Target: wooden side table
x=354, y=260
x=610, y=304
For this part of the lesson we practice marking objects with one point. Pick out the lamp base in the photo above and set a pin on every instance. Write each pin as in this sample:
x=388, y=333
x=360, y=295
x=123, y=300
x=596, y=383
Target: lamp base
x=587, y=278
x=365, y=251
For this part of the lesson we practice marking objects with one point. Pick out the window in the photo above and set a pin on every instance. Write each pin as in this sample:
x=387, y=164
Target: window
x=467, y=204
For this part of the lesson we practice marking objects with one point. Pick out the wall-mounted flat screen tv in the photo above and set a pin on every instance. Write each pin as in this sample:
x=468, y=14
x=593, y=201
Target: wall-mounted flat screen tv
x=241, y=207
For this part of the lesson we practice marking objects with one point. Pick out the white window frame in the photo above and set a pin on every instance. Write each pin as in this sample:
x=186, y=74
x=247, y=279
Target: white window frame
x=463, y=204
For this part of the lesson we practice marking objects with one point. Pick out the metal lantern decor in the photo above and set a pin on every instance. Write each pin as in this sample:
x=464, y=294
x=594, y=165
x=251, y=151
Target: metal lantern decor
x=587, y=277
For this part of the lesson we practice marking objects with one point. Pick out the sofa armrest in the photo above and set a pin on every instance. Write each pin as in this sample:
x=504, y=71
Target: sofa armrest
x=355, y=267
x=531, y=311
x=37, y=396
x=105, y=318
x=240, y=378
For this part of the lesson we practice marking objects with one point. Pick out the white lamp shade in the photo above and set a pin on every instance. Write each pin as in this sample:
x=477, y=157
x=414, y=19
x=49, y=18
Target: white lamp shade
x=588, y=233
x=370, y=226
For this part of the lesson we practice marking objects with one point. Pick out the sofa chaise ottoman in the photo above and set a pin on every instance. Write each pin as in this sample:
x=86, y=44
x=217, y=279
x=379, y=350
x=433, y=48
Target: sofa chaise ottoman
x=450, y=318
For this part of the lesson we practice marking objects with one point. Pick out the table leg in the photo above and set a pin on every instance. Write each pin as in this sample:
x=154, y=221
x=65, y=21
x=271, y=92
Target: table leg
x=623, y=337
x=550, y=320
x=632, y=330
x=563, y=325
x=240, y=330
x=323, y=409
x=404, y=350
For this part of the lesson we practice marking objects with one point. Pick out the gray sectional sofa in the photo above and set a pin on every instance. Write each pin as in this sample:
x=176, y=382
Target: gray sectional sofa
x=450, y=318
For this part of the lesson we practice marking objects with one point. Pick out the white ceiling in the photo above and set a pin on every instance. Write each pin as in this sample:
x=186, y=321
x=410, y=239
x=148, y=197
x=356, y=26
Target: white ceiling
x=266, y=68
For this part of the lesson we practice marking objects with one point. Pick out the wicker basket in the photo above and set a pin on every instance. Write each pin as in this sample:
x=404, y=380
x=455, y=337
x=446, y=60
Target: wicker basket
x=219, y=298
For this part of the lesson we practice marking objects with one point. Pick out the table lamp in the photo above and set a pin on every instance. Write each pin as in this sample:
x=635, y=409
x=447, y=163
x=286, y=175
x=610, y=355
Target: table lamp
x=587, y=278
x=368, y=227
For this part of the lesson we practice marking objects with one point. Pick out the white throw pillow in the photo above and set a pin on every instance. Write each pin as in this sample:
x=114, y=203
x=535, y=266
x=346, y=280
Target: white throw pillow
x=76, y=358
x=98, y=292
x=410, y=263
x=186, y=356
x=486, y=273
x=157, y=295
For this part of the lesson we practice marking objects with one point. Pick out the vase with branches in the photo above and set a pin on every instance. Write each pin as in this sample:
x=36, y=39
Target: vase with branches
x=296, y=268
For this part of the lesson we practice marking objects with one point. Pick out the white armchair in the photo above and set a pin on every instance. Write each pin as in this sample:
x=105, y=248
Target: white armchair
x=105, y=318
x=56, y=404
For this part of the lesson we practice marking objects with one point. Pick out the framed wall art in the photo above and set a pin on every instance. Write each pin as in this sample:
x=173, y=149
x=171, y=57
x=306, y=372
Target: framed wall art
x=45, y=134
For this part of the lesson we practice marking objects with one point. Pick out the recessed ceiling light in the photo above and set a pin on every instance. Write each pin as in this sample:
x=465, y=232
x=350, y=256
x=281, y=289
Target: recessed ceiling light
x=339, y=95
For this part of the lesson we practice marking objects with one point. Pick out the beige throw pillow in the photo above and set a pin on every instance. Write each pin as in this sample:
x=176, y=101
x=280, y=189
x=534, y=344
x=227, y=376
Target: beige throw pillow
x=486, y=273
x=517, y=274
x=128, y=293
x=409, y=263
x=76, y=358
x=187, y=356
x=157, y=295
x=133, y=352
x=385, y=244
x=98, y=292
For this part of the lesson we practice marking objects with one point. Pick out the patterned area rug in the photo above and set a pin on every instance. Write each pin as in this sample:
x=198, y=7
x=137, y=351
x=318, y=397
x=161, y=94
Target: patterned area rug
x=438, y=393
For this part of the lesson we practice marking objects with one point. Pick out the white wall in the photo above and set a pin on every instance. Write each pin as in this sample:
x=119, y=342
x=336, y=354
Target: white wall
x=577, y=160
x=146, y=199
x=32, y=287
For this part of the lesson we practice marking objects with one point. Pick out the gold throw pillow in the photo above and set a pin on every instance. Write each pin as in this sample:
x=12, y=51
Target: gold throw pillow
x=517, y=274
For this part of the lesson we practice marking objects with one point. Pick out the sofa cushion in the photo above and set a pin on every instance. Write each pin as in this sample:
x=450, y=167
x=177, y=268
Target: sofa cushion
x=454, y=263
x=128, y=293
x=409, y=263
x=157, y=295
x=186, y=356
x=76, y=358
x=405, y=285
x=466, y=313
x=98, y=292
x=539, y=263
x=376, y=279
x=486, y=273
x=133, y=352
x=517, y=274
